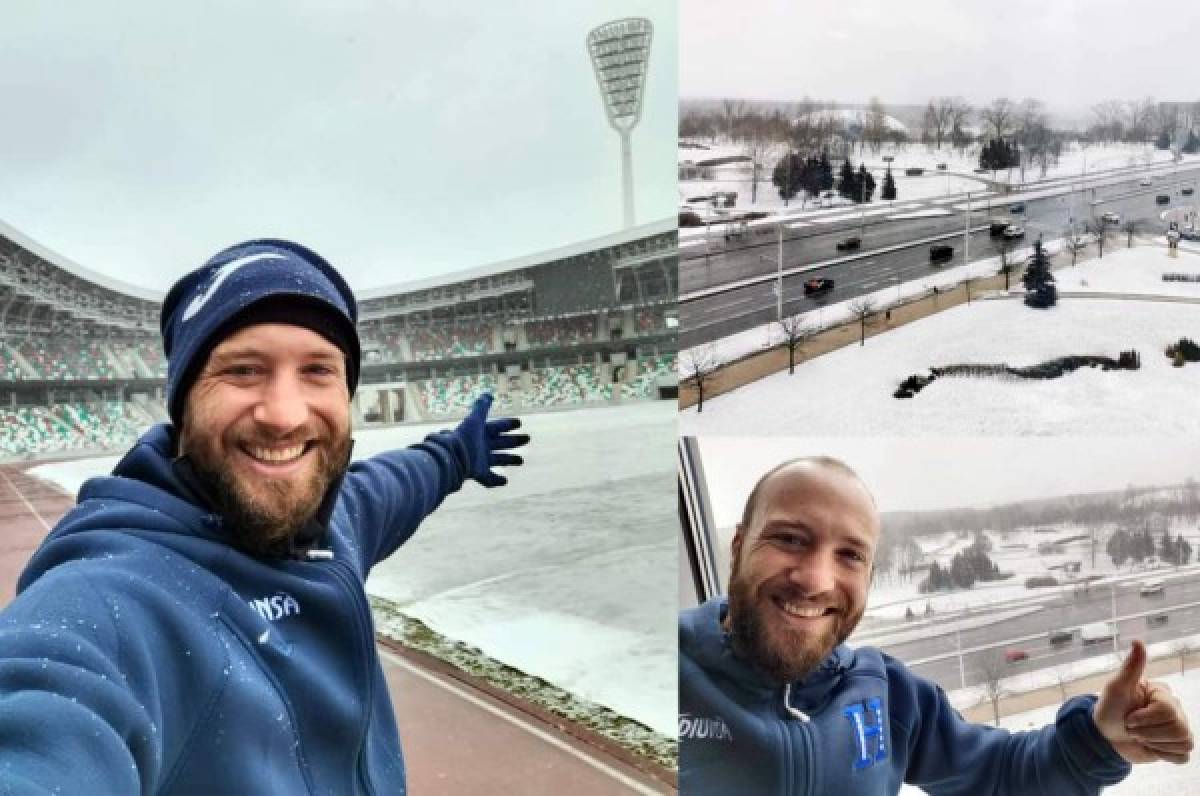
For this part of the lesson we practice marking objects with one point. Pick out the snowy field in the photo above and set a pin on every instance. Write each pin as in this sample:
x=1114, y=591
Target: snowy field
x=1159, y=778
x=849, y=391
x=957, y=177
x=567, y=573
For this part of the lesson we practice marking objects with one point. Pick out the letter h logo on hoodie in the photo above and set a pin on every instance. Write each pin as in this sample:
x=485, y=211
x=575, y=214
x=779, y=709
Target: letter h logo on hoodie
x=867, y=723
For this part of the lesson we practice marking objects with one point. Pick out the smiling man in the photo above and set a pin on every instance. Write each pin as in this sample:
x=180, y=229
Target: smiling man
x=198, y=623
x=772, y=701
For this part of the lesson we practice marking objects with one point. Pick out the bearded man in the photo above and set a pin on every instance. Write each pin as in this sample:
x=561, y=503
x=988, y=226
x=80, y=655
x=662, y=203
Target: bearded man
x=772, y=700
x=198, y=622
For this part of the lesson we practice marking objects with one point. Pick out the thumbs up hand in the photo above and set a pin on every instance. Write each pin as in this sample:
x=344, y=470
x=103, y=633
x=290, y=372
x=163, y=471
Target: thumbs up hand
x=1142, y=720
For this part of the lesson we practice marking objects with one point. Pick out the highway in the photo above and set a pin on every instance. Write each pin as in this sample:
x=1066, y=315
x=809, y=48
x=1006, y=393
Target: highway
x=728, y=287
x=935, y=655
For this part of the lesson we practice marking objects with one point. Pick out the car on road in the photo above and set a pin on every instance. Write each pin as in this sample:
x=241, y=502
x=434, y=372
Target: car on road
x=1061, y=637
x=1018, y=207
x=1146, y=182
x=940, y=252
x=1151, y=587
x=1187, y=191
x=1162, y=199
x=1014, y=231
x=996, y=228
x=1015, y=655
x=1189, y=234
x=817, y=285
x=1097, y=632
x=849, y=244
x=941, y=167
x=1156, y=620
x=1110, y=218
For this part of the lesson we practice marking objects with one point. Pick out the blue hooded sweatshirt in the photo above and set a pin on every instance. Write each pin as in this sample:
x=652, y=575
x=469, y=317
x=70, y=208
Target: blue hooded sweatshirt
x=860, y=725
x=145, y=654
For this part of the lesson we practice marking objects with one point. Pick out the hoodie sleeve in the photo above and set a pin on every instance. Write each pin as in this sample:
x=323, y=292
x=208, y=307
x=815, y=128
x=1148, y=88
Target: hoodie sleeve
x=68, y=712
x=387, y=496
x=948, y=756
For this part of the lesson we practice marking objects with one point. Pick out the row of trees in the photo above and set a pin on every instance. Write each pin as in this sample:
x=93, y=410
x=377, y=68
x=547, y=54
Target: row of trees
x=966, y=568
x=1138, y=545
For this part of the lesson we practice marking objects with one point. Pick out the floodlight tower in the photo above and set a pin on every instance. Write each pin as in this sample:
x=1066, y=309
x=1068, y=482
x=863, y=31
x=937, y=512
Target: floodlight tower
x=620, y=51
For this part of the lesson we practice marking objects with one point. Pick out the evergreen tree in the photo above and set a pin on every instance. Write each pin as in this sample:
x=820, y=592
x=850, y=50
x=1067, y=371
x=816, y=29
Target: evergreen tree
x=1039, y=282
x=889, y=186
x=788, y=175
x=1118, y=547
x=847, y=184
x=1166, y=548
x=908, y=613
x=1184, y=549
x=826, y=172
x=1192, y=145
x=866, y=184
x=1164, y=140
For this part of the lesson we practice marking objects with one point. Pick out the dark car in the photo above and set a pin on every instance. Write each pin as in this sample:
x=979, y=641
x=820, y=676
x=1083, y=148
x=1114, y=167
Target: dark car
x=1061, y=637
x=817, y=286
x=1187, y=191
x=940, y=252
x=1156, y=620
x=996, y=228
x=1018, y=207
x=1162, y=199
x=849, y=244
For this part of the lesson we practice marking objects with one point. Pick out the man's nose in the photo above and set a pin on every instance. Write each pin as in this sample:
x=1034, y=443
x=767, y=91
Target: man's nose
x=813, y=572
x=282, y=406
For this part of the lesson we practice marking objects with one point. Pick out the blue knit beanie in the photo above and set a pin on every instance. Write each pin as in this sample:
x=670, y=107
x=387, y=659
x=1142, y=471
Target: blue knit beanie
x=258, y=281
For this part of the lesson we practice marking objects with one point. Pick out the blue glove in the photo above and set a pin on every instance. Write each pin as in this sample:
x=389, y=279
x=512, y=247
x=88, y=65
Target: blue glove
x=482, y=438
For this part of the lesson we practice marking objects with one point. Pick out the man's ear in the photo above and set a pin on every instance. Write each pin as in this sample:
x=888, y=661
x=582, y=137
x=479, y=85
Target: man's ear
x=736, y=548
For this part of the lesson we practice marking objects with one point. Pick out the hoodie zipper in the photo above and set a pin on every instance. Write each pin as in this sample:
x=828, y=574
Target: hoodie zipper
x=798, y=724
x=350, y=582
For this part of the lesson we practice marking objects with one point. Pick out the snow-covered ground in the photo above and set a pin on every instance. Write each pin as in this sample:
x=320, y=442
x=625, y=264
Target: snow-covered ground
x=567, y=573
x=849, y=391
x=1181, y=780
x=957, y=177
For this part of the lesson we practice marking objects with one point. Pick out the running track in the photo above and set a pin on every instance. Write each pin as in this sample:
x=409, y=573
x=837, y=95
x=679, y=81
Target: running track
x=458, y=739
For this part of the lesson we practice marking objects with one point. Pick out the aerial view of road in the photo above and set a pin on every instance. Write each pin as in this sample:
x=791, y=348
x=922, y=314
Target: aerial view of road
x=729, y=285
x=1026, y=638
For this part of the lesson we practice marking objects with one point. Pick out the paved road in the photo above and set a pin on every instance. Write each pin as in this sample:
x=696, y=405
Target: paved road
x=730, y=287
x=457, y=739
x=935, y=655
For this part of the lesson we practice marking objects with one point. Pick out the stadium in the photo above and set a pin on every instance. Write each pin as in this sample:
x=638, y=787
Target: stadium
x=590, y=324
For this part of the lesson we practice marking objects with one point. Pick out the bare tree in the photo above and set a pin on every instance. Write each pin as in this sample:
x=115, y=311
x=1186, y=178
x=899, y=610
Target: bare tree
x=700, y=366
x=732, y=111
x=991, y=678
x=1062, y=678
x=1141, y=118
x=795, y=334
x=958, y=111
x=998, y=117
x=929, y=126
x=875, y=125
x=1184, y=648
x=1110, y=120
x=862, y=308
x=967, y=282
x=1130, y=228
x=1073, y=239
x=937, y=121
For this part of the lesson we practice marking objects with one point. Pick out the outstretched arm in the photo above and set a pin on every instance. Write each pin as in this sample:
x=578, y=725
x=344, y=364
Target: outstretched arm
x=387, y=496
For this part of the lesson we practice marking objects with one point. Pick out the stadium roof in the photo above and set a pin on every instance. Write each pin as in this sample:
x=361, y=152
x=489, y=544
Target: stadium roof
x=526, y=261
x=74, y=268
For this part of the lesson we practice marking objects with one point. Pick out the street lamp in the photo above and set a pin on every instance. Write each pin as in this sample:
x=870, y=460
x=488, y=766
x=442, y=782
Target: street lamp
x=967, y=233
x=620, y=51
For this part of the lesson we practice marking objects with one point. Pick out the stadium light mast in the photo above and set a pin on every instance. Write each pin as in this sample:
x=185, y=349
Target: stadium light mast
x=620, y=52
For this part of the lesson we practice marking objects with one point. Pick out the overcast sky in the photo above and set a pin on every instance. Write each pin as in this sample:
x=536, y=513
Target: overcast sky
x=1068, y=53
x=399, y=139
x=934, y=473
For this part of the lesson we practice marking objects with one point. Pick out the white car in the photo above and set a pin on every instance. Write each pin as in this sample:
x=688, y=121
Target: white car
x=1146, y=182
x=1110, y=218
x=1014, y=231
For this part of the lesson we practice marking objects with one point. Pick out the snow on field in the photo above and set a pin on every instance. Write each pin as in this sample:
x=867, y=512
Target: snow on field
x=567, y=573
x=1182, y=780
x=849, y=391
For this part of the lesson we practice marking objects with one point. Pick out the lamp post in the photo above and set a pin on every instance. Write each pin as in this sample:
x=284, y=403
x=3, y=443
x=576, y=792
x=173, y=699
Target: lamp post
x=620, y=52
x=967, y=233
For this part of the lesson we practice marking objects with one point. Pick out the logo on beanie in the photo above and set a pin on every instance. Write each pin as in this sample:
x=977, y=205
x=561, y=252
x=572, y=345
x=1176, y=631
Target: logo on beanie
x=220, y=276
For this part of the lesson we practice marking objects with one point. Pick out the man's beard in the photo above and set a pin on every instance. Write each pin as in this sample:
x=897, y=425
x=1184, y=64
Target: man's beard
x=263, y=520
x=783, y=653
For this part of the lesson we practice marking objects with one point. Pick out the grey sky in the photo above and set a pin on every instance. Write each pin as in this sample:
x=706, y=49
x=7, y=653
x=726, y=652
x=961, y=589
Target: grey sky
x=399, y=139
x=933, y=473
x=1068, y=53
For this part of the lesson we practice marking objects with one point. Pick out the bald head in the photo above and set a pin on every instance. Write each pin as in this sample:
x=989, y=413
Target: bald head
x=799, y=466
